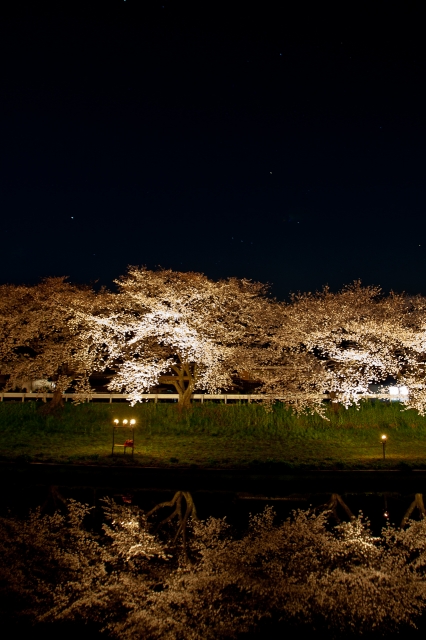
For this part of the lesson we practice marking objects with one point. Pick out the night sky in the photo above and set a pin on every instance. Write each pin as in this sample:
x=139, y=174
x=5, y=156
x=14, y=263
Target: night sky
x=262, y=143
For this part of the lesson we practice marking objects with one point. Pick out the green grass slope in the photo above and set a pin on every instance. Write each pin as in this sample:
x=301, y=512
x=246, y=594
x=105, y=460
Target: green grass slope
x=217, y=435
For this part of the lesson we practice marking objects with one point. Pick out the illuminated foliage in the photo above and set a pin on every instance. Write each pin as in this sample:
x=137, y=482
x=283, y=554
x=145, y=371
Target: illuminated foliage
x=356, y=337
x=185, y=330
x=339, y=579
x=42, y=334
x=181, y=329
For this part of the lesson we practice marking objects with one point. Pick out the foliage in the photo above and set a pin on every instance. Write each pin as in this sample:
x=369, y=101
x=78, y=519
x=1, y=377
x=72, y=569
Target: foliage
x=40, y=552
x=186, y=330
x=181, y=329
x=352, y=339
x=342, y=579
x=233, y=420
x=42, y=334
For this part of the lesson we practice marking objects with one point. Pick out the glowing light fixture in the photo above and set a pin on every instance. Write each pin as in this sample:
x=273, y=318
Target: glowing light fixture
x=384, y=440
x=130, y=442
x=398, y=391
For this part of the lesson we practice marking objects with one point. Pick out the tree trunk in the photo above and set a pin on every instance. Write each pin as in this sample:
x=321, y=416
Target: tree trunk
x=57, y=400
x=417, y=502
x=333, y=405
x=185, y=398
x=183, y=382
x=55, y=406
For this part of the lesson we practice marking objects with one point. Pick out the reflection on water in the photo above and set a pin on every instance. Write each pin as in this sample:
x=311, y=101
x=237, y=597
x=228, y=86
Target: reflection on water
x=315, y=576
x=378, y=507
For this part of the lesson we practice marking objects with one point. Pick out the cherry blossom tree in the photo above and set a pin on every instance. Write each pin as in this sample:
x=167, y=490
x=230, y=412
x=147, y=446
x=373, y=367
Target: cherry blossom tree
x=412, y=333
x=42, y=334
x=188, y=331
x=356, y=337
x=181, y=329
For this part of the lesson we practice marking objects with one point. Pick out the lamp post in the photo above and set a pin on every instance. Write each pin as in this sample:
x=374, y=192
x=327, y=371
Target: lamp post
x=129, y=443
x=384, y=439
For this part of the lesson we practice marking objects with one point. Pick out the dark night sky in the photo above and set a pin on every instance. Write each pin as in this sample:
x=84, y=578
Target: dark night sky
x=282, y=147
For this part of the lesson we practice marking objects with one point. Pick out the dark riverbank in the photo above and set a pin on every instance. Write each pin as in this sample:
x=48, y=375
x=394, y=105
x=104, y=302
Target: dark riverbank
x=249, y=479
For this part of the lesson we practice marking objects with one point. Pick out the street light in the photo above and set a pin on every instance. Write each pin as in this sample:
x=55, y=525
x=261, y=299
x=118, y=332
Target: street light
x=384, y=439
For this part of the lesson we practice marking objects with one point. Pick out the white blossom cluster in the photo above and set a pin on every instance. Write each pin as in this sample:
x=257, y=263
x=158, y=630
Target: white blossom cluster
x=302, y=573
x=183, y=329
x=42, y=334
x=357, y=337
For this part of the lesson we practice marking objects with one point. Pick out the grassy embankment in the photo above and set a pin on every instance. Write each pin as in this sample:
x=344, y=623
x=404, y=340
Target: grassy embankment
x=217, y=435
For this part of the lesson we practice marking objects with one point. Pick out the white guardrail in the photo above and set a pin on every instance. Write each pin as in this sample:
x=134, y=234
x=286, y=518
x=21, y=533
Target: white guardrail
x=155, y=397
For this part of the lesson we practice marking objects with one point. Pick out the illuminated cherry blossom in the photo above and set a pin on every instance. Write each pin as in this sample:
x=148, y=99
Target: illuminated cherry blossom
x=181, y=329
x=42, y=334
